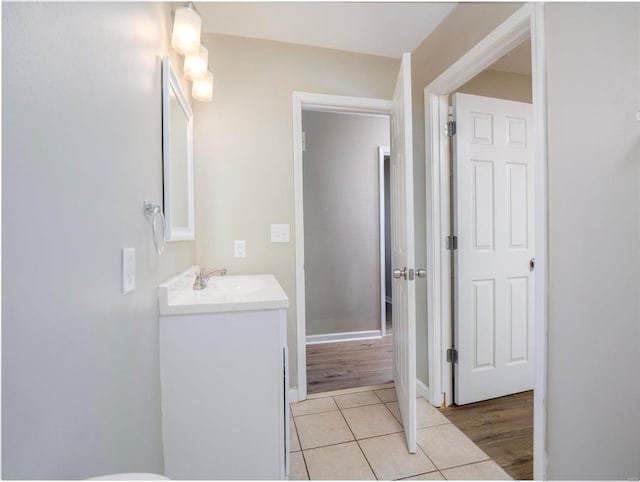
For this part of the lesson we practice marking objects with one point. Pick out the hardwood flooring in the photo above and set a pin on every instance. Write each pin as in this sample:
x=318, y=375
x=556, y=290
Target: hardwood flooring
x=350, y=364
x=503, y=428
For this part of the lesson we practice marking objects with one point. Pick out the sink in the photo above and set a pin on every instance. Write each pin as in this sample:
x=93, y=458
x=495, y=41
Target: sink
x=232, y=285
x=223, y=293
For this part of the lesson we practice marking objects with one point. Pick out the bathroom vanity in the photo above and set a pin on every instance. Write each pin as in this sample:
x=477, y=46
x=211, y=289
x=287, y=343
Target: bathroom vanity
x=224, y=381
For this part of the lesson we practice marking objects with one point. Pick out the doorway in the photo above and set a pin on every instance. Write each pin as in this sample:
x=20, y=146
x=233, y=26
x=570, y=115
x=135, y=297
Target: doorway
x=347, y=343
x=524, y=24
x=492, y=201
x=398, y=109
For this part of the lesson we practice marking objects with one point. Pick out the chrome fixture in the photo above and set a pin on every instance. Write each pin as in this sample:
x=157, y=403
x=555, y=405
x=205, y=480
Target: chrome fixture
x=154, y=211
x=200, y=282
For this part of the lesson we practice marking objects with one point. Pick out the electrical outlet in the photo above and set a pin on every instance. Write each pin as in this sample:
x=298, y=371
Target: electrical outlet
x=128, y=270
x=240, y=248
x=279, y=233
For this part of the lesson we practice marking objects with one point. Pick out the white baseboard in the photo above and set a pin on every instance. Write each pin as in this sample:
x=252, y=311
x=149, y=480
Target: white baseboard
x=292, y=395
x=422, y=390
x=345, y=336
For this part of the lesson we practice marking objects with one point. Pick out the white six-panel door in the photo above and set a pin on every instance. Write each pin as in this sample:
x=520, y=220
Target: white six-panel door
x=494, y=223
x=403, y=252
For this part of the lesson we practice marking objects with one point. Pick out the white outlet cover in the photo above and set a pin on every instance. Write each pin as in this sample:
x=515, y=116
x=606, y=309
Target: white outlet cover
x=280, y=233
x=128, y=270
x=240, y=248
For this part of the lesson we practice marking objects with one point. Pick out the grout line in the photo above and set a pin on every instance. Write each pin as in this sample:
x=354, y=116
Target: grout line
x=358, y=406
x=423, y=473
x=394, y=416
x=348, y=391
x=304, y=461
x=314, y=413
x=473, y=463
x=358, y=443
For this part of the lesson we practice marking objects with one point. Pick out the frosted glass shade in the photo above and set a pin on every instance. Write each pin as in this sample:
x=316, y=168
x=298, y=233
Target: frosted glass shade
x=187, y=25
x=202, y=89
x=196, y=63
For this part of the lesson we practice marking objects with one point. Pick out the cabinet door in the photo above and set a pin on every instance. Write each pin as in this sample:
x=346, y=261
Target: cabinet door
x=223, y=395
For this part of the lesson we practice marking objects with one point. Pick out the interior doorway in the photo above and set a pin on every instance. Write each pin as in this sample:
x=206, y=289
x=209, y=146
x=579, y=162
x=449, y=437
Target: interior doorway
x=491, y=157
x=348, y=343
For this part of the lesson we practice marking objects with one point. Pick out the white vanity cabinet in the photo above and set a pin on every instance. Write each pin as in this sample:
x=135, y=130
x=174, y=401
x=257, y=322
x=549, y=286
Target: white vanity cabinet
x=224, y=385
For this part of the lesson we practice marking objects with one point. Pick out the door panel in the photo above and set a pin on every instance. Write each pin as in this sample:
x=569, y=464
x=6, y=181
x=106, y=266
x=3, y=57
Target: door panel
x=493, y=219
x=403, y=255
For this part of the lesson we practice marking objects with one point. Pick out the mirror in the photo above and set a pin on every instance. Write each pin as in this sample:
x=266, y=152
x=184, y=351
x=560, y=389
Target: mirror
x=177, y=158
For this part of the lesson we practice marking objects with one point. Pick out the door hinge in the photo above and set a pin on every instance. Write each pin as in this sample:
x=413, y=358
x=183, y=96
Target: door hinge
x=452, y=242
x=452, y=355
x=451, y=128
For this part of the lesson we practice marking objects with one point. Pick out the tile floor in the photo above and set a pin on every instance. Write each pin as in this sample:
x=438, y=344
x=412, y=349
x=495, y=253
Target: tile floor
x=358, y=435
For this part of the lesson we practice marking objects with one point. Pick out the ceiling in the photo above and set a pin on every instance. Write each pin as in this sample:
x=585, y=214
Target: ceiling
x=379, y=28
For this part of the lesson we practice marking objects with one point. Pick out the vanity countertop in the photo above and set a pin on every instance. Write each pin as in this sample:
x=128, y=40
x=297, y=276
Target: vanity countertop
x=222, y=294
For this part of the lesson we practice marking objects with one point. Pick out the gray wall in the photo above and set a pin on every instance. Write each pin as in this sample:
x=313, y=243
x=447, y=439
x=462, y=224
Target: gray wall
x=593, y=80
x=81, y=150
x=342, y=221
x=244, y=147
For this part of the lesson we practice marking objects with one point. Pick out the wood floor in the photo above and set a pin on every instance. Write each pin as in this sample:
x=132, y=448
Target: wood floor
x=503, y=428
x=349, y=364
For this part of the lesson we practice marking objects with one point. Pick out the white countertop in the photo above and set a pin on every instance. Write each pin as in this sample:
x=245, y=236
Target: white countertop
x=223, y=293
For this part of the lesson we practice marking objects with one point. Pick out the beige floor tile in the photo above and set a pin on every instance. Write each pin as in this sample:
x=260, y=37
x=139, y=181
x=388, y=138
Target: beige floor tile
x=371, y=421
x=390, y=459
x=430, y=476
x=487, y=470
x=297, y=468
x=395, y=410
x=356, y=399
x=322, y=429
x=427, y=415
x=317, y=405
x=294, y=442
x=448, y=447
x=386, y=394
x=338, y=462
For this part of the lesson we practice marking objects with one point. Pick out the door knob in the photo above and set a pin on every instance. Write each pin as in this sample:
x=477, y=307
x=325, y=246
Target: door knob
x=421, y=273
x=400, y=273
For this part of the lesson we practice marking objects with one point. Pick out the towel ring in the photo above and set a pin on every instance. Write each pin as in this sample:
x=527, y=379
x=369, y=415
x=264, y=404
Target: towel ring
x=154, y=211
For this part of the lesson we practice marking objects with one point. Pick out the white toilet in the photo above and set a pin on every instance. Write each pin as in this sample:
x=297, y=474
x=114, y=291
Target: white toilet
x=131, y=476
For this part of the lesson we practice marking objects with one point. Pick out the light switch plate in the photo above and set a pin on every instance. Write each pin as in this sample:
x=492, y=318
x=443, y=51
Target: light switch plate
x=279, y=233
x=239, y=248
x=128, y=270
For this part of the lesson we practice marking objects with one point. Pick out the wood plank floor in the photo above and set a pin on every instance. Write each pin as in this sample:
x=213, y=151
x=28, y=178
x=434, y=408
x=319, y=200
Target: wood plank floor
x=503, y=428
x=349, y=364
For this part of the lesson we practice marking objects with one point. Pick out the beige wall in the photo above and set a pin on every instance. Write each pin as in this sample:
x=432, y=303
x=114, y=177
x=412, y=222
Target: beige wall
x=81, y=151
x=342, y=221
x=464, y=27
x=593, y=81
x=244, y=147
x=500, y=85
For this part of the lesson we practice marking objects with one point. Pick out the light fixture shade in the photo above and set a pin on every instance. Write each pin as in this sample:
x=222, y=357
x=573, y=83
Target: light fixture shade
x=187, y=25
x=196, y=63
x=202, y=89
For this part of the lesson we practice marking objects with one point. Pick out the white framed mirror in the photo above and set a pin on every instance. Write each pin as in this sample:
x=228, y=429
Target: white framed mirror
x=177, y=157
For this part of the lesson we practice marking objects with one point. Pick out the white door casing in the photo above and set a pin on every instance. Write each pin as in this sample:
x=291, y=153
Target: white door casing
x=494, y=223
x=403, y=252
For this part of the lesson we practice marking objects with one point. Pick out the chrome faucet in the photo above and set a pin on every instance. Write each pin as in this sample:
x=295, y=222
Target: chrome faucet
x=200, y=282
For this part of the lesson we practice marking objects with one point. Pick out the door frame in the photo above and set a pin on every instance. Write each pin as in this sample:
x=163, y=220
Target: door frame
x=320, y=103
x=526, y=22
x=382, y=152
